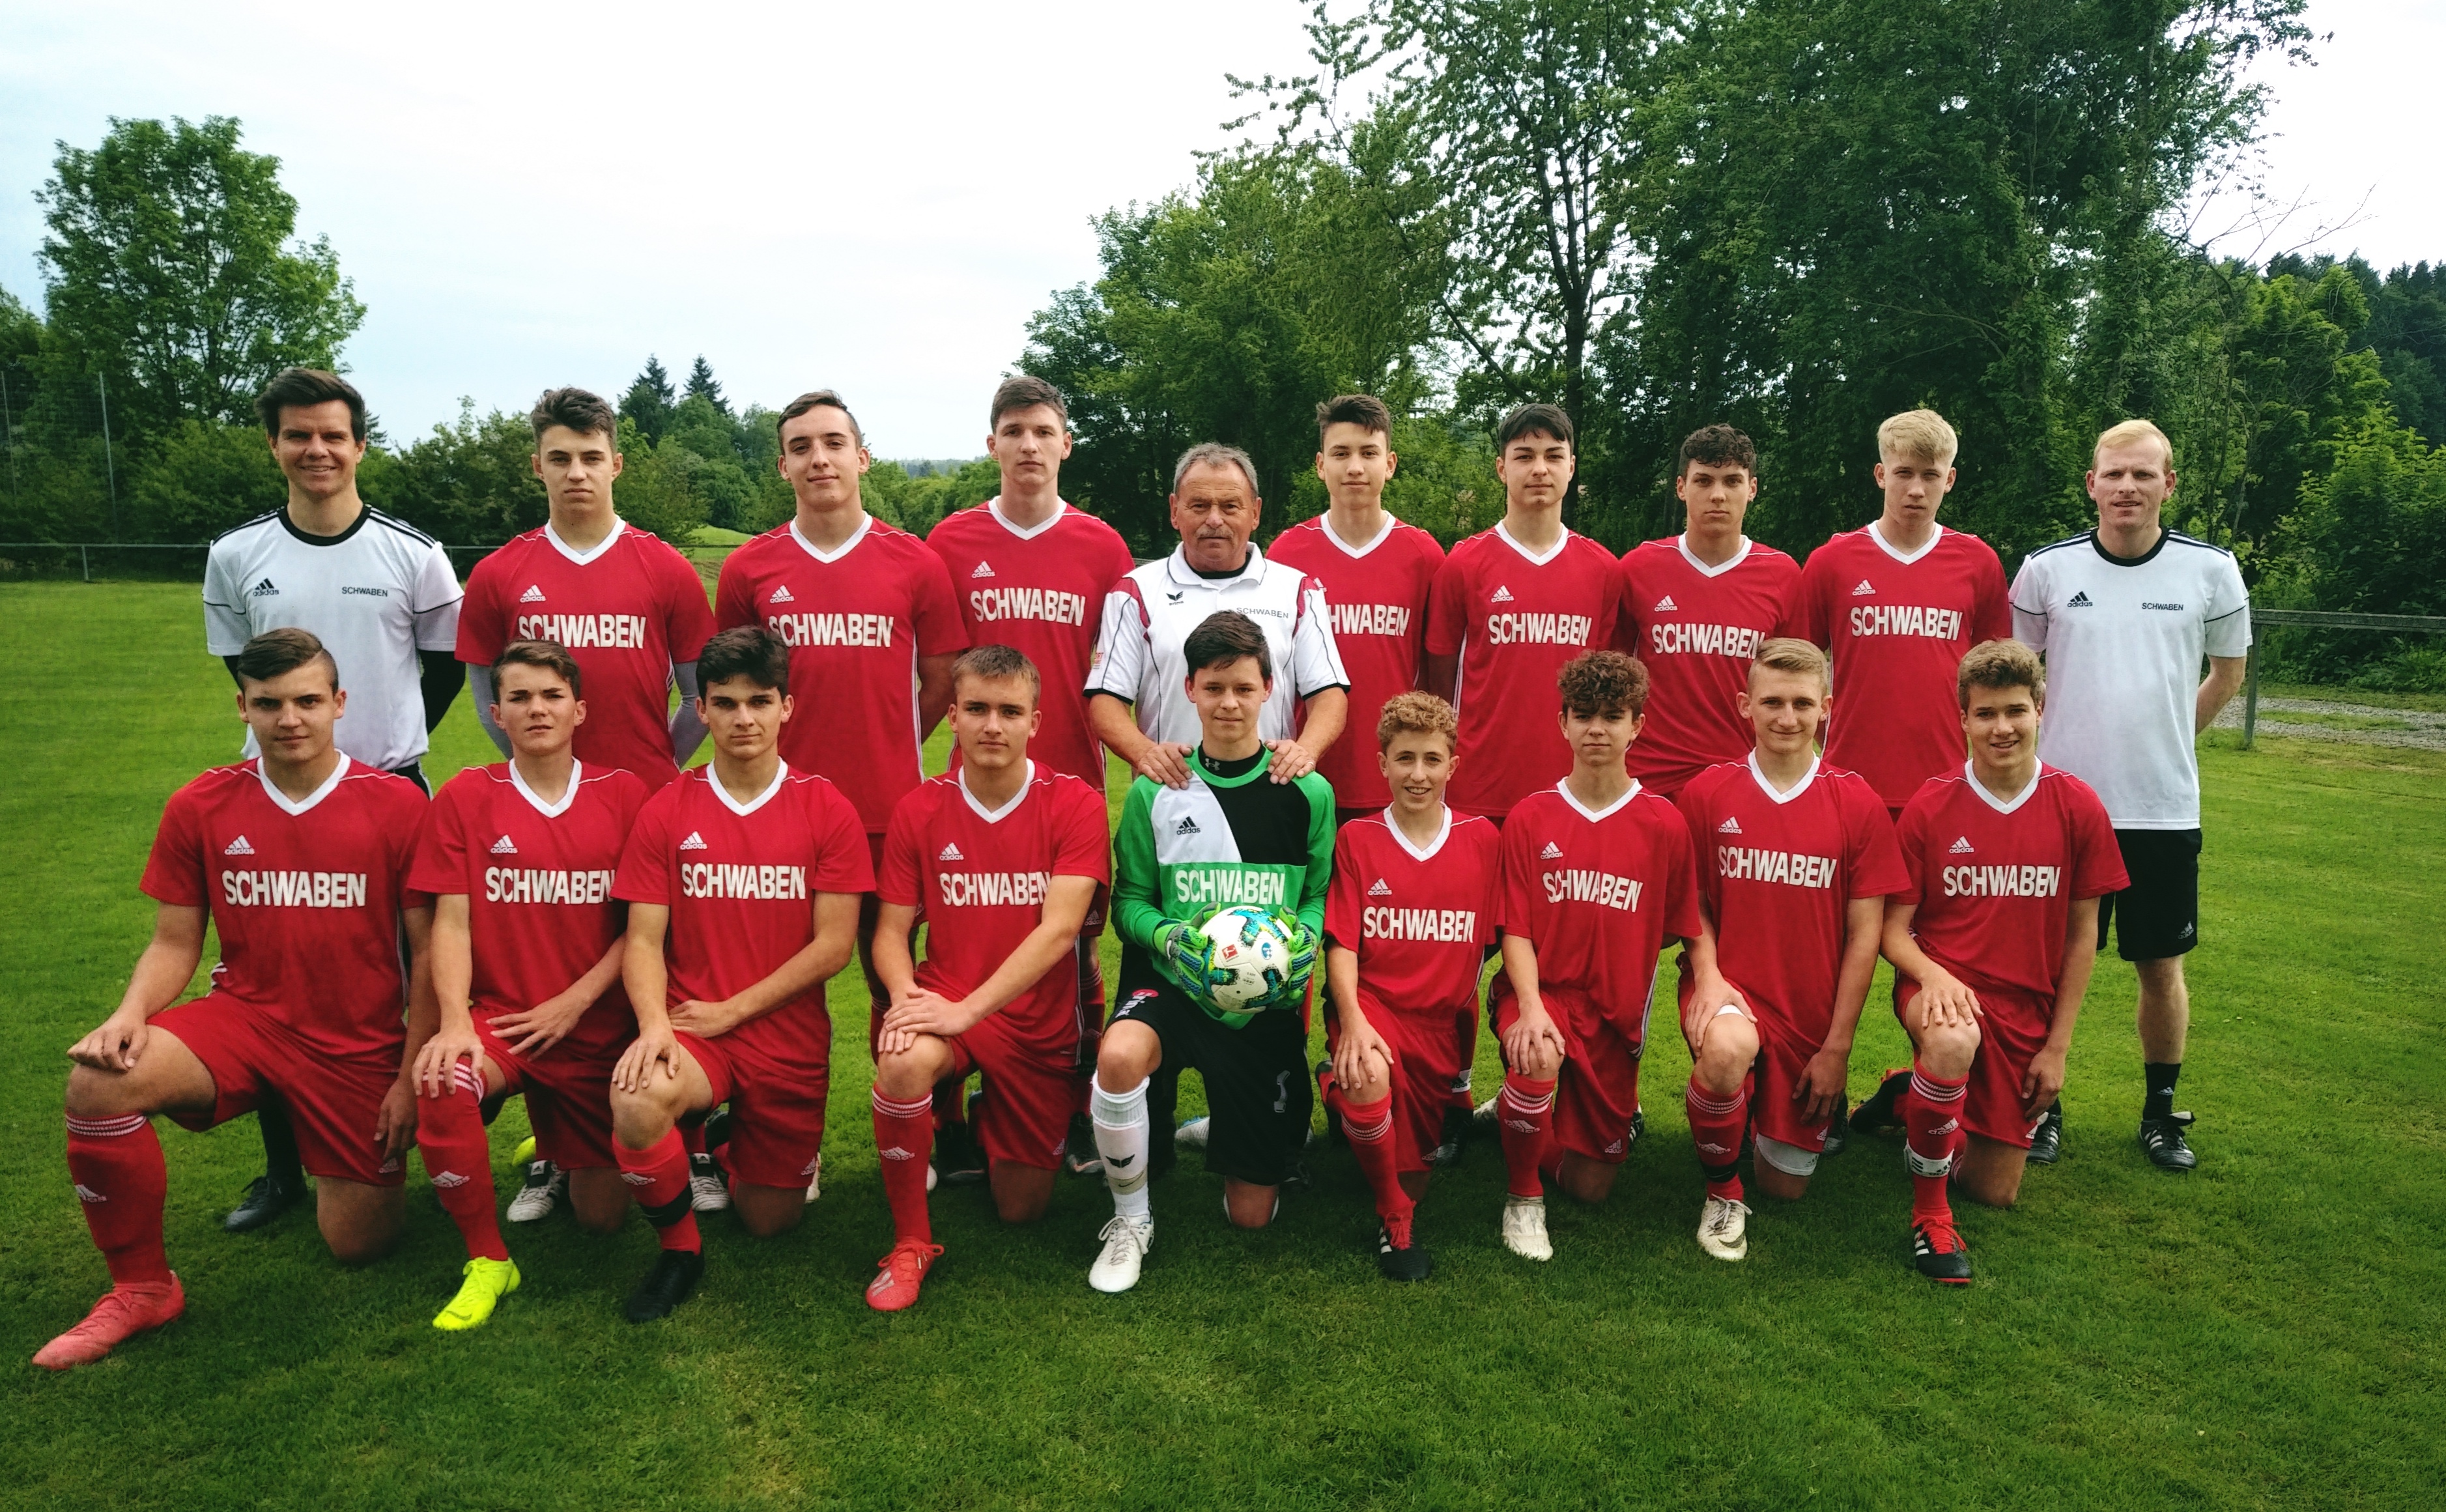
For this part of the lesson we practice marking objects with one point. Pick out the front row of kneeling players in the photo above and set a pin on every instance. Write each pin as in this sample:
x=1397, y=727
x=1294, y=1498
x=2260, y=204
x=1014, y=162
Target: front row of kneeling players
x=741, y=880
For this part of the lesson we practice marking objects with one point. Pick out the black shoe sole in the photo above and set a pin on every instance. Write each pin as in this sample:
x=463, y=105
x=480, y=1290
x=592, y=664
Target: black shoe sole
x=669, y=1283
x=263, y=1204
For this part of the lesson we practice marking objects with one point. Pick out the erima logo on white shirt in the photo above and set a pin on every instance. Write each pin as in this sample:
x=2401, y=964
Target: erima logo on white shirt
x=782, y=596
x=694, y=842
x=1730, y=826
x=1551, y=853
x=1863, y=590
x=1502, y=595
x=237, y=847
x=533, y=595
x=1380, y=890
x=263, y=590
x=984, y=570
x=1960, y=847
x=2080, y=600
x=505, y=847
x=1666, y=606
x=951, y=853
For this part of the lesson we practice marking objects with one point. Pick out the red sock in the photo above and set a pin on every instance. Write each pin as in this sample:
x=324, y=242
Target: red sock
x=1369, y=1128
x=660, y=1178
x=692, y=1139
x=1524, y=1108
x=1716, y=1125
x=450, y=1137
x=1933, y=1132
x=116, y=1163
x=903, y=1137
x=951, y=1104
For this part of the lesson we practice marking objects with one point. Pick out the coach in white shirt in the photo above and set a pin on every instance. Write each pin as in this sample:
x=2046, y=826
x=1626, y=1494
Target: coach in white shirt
x=2125, y=614
x=379, y=593
x=1137, y=690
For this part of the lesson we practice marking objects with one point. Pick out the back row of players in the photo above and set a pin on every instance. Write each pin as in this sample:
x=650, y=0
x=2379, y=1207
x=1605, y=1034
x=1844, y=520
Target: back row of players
x=1223, y=676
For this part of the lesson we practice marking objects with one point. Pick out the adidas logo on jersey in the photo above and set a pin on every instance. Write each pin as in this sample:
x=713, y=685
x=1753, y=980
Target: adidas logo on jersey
x=237, y=847
x=1501, y=595
x=1551, y=853
x=694, y=842
x=263, y=590
x=951, y=853
x=1864, y=590
x=446, y=1180
x=782, y=596
x=1187, y=826
x=1730, y=826
x=86, y=1194
x=2079, y=601
x=533, y=595
x=1666, y=605
x=1960, y=847
x=895, y=1153
x=505, y=847
x=1380, y=890
x=984, y=570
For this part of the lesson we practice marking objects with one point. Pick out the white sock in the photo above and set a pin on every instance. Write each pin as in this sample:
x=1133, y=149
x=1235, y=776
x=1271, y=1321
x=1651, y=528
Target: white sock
x=1121, y=1119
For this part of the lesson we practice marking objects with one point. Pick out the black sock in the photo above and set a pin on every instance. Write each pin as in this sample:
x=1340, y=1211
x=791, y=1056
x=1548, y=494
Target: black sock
x=279, y=1147
x=2159, y=1075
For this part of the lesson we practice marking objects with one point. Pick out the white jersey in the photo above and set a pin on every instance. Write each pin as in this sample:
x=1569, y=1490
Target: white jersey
x=376, y=594
x=2123, y=641
x=1152, y=610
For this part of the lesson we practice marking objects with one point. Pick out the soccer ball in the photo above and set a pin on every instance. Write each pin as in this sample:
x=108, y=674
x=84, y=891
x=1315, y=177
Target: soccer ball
x=1253, y=955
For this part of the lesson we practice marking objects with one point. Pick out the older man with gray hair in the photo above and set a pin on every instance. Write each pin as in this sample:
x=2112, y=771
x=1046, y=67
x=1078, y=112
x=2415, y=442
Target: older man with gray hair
x=1137, y=683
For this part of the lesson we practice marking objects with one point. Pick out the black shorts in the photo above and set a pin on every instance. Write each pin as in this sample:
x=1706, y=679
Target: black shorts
x=1258, y=1094
x=2157, y=917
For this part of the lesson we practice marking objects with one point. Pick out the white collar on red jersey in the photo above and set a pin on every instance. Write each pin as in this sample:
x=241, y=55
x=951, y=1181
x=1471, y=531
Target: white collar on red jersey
x=1935, y=534
x=993, y=507
x=1442, y=834
x=781, y=775
x=995, y=816
x=329, y=784
x=865, y=523
x=2002, y=805
x=1596, y=815
x=1556, y=550
x=1682, y=544
x=568, y=796
x=1325, y=524
x=1797, y=788
x=582, y=557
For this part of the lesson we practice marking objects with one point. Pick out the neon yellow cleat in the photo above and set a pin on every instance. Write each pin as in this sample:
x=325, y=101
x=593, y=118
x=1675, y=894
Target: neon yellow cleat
x=487, y=1282
x=524, y=1154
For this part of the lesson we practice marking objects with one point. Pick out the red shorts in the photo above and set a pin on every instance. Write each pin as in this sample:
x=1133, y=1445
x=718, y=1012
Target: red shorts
x=567, y=1091
x=334, y=1102
x=776, y=1110
x=2012, y=1029
x=1426, y=1058
x=1022, y=1115
x=1774, y=1076
x=1598, y=1092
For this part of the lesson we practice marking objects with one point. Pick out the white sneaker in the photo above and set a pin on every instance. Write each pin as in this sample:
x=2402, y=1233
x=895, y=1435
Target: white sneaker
x=707, y=1191
x=1524, y=1228
x=1724, y=1228
x=815, y=1180
x=544, y=1184
x=1126, y=1241
x=1191, y=1135
x=931, y=1179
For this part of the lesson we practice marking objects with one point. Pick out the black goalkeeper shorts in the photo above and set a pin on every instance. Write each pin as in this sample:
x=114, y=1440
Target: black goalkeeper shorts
x=1258, y=1094
x=2158, y=918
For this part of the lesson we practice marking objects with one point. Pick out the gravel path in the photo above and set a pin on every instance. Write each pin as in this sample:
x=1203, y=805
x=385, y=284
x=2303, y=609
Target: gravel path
x=2388, y=727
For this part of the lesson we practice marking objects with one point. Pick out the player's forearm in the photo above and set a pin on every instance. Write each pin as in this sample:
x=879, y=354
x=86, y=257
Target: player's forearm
x=454, y=961
x=1046, y=947
x=162, y=971
x=2217, y=689
x=599, y=977
x=1329, y=713
x=1114, y=724
x=687, y=726
x=424, y=1010
x=1520, y=970
x=643, y=969
x=2079, y=961
x=817, y=962
x=888, y=951
x=1341, y=985
x=1905, y=952
x=933, y=693
x=440, y=681
x=479, y=692
x=1859, y=968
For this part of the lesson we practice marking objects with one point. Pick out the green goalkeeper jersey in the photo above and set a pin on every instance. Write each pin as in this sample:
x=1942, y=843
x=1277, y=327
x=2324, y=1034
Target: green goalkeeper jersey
x=1229, y=837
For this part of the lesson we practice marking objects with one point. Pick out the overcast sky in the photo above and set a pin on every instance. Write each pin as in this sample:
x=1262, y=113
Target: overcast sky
x=872, y=197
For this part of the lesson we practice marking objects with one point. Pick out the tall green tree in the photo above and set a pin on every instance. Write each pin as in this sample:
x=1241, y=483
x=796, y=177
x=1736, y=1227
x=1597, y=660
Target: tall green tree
x=700, y=386
x=649, y=400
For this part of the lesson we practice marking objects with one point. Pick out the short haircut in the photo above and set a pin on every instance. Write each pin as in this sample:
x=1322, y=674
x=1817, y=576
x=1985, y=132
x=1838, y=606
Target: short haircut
x=1717, y=446
x=1416, y=713
x=549, y=654
x=1214, y=454
x=1785, y=655
x=818, y=399
x=751, y=651
x=1366, y=411
x=993, y=663
x=1921, y=435
x=1025, y=391
x=302, y=389
x=582, y=412
x=1600, y=681
x=1998, y=664
x=1222, y=639
x=278, y=652
x=1535, y=420
x=2129, y=431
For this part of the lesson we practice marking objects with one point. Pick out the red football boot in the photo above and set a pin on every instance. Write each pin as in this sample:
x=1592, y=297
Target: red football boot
x=124, y=1310
x=904, y=1271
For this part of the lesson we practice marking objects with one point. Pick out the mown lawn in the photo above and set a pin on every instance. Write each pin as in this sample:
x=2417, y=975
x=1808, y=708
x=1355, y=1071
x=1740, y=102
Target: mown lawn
x=2261, y=1334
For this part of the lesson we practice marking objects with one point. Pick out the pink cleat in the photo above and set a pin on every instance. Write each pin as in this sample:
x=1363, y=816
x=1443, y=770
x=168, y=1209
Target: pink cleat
x=124, y=1310
x=904, y=1270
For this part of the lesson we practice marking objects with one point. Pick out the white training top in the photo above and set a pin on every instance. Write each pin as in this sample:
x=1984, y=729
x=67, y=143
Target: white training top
x=2123, y=641
x=376, y=595
x=1152, y=610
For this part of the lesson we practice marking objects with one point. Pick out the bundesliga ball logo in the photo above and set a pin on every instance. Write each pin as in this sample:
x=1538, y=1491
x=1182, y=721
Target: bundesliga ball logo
x=1251, y=957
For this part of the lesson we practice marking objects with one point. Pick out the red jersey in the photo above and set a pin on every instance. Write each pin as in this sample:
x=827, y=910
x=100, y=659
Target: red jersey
x=1376, y=604
x=627, y=609
x=1777, y=871
x=1513, y=619
x=538, y=880
x=1599, y=893
x=979, y=879
x=1419, y=919
x=741, y=881
x=856, y=620
x=1995, y=881
x=306, y=896
x=1040, y=592
x=1897, y=628
x=1697, y=628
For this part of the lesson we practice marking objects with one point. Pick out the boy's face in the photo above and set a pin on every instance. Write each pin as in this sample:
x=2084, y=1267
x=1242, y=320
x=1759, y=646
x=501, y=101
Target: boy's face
x=1714, y=496
x=1914, y=486
x=317, y=448
x=291, y=714
x=822, y=457
x=743, y=716
x=1600, y=737
x=1535, y=468
x=1417, y=765
x=993, y=719
x=1354, y=461
x=576, y=466
x=1228, y=699
x=1030, y=445
x=535, y=708
x=2002, y=724
x=1785, y=710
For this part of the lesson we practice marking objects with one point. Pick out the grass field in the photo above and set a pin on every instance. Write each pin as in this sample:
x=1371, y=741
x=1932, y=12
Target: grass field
x=2263, y=1334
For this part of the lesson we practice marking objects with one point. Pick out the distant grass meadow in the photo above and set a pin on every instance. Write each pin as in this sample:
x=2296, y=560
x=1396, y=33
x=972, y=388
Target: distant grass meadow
x=2263, y=1334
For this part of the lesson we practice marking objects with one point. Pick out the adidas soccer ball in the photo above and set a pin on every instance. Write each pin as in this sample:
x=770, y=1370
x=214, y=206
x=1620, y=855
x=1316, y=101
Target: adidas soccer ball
x=1253, y=955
